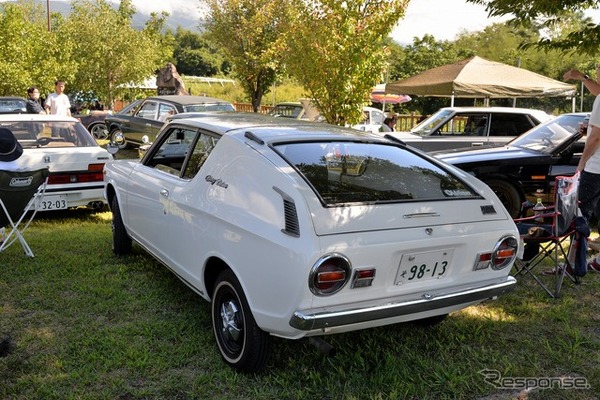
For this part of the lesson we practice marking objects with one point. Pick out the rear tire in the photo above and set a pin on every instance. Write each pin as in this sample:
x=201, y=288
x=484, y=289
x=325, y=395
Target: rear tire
x=121, y=243
x=508, y=195
x=242, y=344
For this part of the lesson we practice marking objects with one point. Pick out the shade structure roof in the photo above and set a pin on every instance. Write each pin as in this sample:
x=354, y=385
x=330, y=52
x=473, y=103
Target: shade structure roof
x=476, y=77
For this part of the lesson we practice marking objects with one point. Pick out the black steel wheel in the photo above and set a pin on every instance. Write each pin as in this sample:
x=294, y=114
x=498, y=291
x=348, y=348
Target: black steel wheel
x=242, y=344
x=121, y=243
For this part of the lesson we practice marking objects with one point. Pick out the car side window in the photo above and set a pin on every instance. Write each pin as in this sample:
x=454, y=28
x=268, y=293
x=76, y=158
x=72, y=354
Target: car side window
x=171, y=154
x=200, y=153
x=465, y=125
x=165, y=111
x=510, y=124
x=147, y=110
x=377, y=117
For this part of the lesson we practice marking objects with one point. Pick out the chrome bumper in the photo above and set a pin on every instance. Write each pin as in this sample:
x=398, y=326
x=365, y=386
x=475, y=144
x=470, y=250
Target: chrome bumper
x=328, y=319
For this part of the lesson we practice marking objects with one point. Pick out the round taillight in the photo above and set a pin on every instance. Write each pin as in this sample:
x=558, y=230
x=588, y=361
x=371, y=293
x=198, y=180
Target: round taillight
x=505, y=252
x=329, y=274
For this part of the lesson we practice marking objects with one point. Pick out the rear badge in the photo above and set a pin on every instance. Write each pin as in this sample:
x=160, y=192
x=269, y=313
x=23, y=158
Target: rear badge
x=47, y=159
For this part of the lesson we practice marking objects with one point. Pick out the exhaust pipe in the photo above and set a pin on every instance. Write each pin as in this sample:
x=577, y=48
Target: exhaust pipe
x=96, y=205
x=322, y=346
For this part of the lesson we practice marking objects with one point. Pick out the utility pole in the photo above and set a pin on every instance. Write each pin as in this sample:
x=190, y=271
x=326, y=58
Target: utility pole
x=48, y=13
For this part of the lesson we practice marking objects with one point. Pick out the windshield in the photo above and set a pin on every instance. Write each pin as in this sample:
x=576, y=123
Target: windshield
x=426, y=126
x=356, y=172
x=549, y=135
x=34, y=134
x=208, y=107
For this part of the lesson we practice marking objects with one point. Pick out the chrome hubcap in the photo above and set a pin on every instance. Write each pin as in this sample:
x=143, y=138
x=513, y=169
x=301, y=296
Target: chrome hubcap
x=229, y=318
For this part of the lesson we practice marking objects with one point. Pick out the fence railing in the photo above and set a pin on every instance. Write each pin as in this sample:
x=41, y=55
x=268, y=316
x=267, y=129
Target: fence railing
x=404, y=122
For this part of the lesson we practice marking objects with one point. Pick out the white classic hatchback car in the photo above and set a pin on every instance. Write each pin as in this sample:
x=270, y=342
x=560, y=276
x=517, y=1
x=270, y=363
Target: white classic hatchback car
x=295, y=229
x=73, y=157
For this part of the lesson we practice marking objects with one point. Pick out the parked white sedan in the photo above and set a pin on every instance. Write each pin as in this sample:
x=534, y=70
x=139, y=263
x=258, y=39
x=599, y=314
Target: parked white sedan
x=73, y=157
x=295, y=230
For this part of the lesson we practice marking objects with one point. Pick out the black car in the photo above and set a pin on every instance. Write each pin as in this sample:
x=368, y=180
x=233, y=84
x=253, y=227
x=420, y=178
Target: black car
x=13, y=105
x=525, y=168
x=150, y=114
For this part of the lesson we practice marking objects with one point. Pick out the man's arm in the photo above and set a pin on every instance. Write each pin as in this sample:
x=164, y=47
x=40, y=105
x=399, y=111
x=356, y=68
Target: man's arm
x=591, y=84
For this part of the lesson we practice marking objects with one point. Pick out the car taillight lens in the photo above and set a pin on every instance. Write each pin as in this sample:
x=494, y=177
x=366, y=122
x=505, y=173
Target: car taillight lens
x=329, y=274
x=503, y=255
x=94, y=173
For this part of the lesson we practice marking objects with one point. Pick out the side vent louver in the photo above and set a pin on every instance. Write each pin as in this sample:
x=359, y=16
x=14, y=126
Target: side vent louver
x=488, y=210
x=292, y=226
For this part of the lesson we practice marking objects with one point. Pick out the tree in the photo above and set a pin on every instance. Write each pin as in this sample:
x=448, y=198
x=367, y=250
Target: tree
x=249, y=31
x=547, y=15
x=109, y=51
x=335, y=50
x=29, y=54
x=195, y=55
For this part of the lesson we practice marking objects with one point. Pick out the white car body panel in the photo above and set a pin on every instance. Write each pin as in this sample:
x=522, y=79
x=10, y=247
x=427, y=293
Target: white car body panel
x=63, y=161
x=232, y=211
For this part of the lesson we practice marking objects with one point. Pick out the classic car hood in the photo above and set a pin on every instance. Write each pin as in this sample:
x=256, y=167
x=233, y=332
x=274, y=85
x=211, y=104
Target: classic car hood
x=487, y=154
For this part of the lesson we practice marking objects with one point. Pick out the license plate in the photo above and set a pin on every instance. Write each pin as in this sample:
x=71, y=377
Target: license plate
x=50, y=203
x=417, y=267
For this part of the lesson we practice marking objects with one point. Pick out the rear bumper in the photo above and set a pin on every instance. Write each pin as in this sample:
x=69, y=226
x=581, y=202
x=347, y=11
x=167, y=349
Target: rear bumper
x=328, y=319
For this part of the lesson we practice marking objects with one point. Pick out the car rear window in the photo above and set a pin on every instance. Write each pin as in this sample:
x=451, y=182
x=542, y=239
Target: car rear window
x=35, y=134
x=357, y=172
x=208, y=107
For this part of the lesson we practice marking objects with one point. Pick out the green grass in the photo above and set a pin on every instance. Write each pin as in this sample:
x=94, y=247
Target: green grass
x=90, y=325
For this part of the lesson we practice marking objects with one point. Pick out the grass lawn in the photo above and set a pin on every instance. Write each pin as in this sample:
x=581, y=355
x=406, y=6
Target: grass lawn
x=89, y=325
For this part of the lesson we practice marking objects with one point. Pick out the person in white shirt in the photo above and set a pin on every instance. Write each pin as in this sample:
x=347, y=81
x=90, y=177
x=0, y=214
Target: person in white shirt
x=58, y=103
x=589, y=163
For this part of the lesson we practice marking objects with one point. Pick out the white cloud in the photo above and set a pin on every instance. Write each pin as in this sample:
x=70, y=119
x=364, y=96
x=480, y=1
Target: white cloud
x=442, y=19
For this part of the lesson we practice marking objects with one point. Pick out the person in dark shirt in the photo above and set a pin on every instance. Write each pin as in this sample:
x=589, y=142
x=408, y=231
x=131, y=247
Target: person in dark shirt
x=33, y=101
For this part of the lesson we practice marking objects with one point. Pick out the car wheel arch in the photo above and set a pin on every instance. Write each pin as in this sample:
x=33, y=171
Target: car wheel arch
x=212, y=269
x=509, y=192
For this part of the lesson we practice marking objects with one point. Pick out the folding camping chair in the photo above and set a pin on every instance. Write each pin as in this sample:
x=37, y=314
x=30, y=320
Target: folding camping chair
x=544, y=243
x=20, y=194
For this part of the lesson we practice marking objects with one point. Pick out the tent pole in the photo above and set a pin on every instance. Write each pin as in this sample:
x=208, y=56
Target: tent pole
x=452, y=99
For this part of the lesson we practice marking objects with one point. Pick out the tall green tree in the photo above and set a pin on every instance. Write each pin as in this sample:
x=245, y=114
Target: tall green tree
x=335, y=49
x=547, y=15
x=195, y=55
x=109, y=51
x=29, y=53
x=249, y=31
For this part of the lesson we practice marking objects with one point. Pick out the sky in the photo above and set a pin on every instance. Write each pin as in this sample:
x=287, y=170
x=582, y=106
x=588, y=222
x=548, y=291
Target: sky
x=443, y=19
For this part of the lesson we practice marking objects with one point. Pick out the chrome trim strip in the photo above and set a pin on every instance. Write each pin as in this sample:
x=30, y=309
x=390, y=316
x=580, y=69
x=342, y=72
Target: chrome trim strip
x=328, y=319
x=421, y=215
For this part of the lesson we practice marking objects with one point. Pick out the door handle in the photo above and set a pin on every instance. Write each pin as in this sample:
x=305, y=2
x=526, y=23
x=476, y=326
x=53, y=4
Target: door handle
x=164, y=193
x=476, y=144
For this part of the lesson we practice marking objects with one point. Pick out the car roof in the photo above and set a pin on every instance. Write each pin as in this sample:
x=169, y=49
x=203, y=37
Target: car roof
x=35, y=117
x=185, y=100
x=493, y=109
x=267, y=128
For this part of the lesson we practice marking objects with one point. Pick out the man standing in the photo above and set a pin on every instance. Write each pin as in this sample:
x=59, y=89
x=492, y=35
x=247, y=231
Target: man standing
x=58, y=103
x=33, y=101
x=589, y=164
